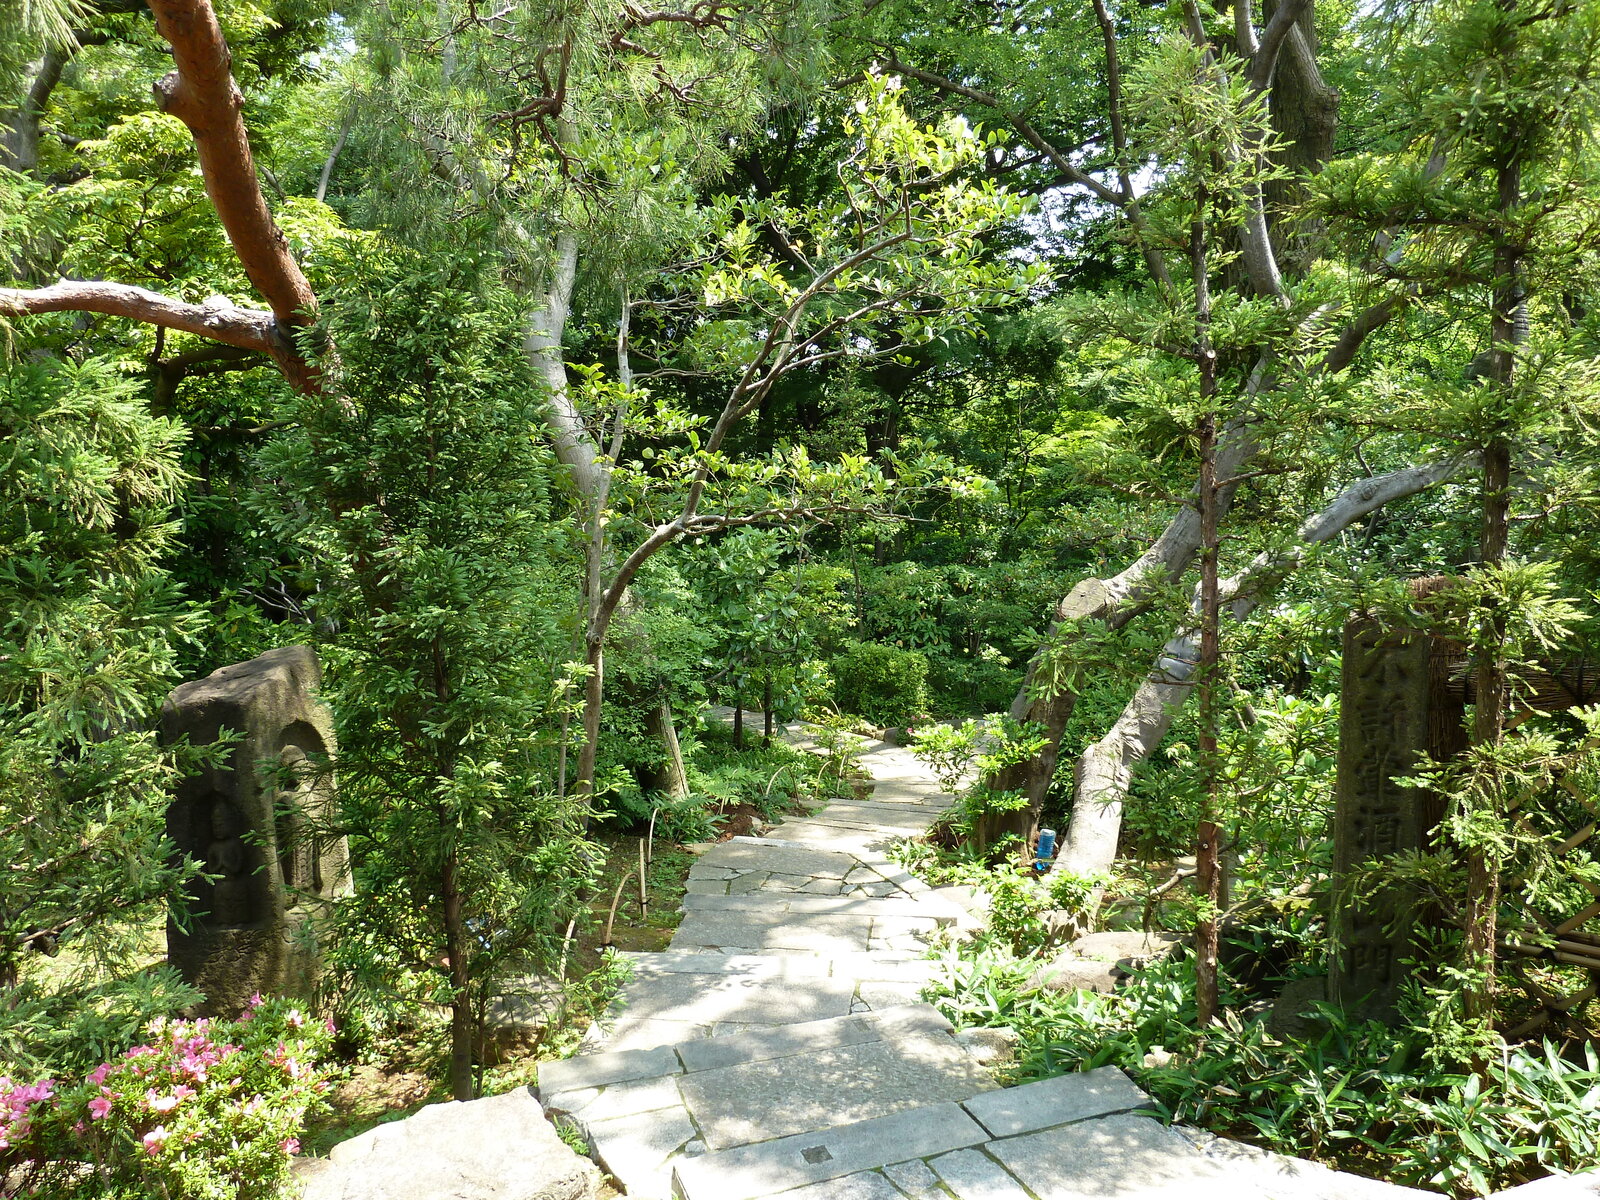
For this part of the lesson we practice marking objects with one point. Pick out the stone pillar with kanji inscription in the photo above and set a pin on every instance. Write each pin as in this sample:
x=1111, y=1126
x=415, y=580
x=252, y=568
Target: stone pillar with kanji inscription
x=1383, y=730
x=253, y=822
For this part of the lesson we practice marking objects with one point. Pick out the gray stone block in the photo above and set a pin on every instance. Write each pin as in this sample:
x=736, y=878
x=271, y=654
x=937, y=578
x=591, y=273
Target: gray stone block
x=973, y=1175
x=710, y=998
x=822, y=934
x=1285, y=1178
x=1057, y=1101
x=1069, y=974
x=635, y=1149
x=624, y=1033
x=914, y=1178
x=597, y=1070
x=1583, y=1186
x=768, y=1168
x=501, y=1146
x=865, y=1185
x=881, y=995
x=787, y=858
x=761, y=1045
x=820, y=1089
x=1113, y=1158
x=1132, y=949
x=619, y=1099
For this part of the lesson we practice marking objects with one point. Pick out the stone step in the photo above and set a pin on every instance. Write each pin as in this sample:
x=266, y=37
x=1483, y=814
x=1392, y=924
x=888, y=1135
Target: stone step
x=830, y=933
x=799, y=907
x=679, y=996
x=797, y=866
x=911, y=1145
x=646, y=1111
x=1073, y=1137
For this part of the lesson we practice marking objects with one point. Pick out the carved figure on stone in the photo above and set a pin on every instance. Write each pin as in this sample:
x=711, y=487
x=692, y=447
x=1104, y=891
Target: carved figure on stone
x=227, y=858
x=251, y=925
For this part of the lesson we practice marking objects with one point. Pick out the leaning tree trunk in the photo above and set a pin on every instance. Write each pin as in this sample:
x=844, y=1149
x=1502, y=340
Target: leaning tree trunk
x=1105, y=771
x=1049, y=691
x=670, y=778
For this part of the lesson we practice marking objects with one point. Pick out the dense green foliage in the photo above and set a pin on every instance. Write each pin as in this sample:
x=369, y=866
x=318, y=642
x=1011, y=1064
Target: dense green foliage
x=872, y=363
x=885, y=684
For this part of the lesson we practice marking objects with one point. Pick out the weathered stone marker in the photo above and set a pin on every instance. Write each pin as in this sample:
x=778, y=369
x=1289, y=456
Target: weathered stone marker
x=1383, y=730
x=250, y=929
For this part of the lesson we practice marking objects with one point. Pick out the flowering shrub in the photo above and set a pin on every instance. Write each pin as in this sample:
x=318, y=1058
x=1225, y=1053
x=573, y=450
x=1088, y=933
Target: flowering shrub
x=203, y=1110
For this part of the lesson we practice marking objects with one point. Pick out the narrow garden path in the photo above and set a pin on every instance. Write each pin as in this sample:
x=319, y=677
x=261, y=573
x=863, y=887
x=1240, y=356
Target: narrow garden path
x=780, y=1048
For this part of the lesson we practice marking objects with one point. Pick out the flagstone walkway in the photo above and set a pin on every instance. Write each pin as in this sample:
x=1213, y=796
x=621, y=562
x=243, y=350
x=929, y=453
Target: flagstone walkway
x=780, y=1048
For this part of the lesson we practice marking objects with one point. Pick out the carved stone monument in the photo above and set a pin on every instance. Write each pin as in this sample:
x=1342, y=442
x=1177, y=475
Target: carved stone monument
x=250, y=820
x=1383, y=729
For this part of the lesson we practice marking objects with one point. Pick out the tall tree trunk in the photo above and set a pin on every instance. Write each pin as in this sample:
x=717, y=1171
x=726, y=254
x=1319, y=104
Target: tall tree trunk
x=593, y=697
x=456, y=935
x=1208, y=830
x=1508, y=332
x=19, y=127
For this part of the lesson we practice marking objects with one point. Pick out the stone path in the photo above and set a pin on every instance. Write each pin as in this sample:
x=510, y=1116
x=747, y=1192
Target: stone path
x=779, y=1048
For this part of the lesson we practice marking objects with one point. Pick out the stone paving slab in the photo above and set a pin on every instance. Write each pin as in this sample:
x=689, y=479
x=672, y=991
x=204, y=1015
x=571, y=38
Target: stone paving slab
x=791, y=905
x=707, y=998
x=837, y=839
x=973, y=1175
x=778, y=1042
x=614, y=1034
x=769, y=1168
x=824, y=934
x=597, y=1070
x=756, y=1102
x=1058, y=1101
x=638, y=1150
x=915, y=806
x=768, y=854
x=867, y=1185
x=709, y=962
x=642, y=1111
x=1113, y=1158
x=1282, y=1175
x=894, y=821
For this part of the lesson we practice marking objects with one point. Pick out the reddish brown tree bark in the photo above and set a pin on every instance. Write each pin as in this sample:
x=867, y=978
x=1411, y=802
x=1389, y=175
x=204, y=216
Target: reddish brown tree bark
x=202, y=94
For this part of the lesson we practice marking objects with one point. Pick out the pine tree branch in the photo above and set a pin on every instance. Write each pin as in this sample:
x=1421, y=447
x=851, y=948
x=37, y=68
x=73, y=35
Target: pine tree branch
x=246, y=328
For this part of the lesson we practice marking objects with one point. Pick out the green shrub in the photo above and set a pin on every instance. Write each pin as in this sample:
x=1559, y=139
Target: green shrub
x=1360, y=1095
x=885, y=684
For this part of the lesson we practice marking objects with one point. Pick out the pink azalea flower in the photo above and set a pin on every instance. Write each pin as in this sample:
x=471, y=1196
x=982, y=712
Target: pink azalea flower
x=294, y=1020
x=290, y=1145
x=159, y=1103
x=100, y=1107
x=155, y=1139
x=98, y=1075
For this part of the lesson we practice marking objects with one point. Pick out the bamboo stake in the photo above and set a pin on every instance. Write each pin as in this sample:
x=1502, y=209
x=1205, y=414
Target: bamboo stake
x=644, y=883
x=616, y=899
